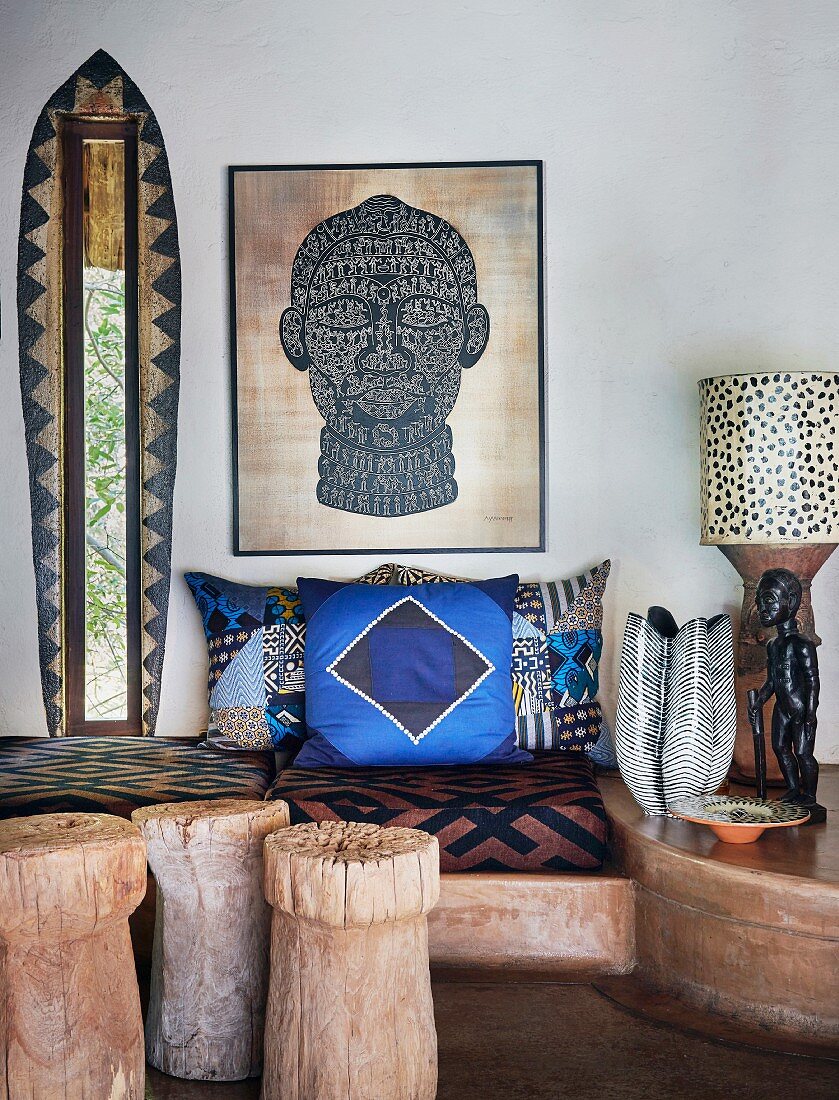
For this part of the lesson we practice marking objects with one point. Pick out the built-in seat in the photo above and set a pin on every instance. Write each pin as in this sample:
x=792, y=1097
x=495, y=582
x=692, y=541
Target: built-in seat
x=522, y=847
x=522, y=854
x=746, y=932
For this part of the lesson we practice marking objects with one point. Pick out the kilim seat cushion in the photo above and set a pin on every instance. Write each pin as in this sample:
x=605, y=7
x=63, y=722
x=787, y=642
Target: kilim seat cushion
x=544, y=816
x=115, y=775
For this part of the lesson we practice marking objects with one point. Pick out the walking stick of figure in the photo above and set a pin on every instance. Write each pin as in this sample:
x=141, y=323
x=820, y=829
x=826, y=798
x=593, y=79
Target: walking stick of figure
x=756, y=719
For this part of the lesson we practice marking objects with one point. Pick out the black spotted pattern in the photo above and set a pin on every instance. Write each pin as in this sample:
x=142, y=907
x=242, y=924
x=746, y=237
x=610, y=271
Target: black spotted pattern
x=769, y=459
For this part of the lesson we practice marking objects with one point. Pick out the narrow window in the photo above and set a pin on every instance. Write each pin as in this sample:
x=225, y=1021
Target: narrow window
x=101, y=427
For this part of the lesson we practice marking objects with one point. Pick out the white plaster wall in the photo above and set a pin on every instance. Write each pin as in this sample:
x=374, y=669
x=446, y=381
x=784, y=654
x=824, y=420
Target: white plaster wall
x=692, y=228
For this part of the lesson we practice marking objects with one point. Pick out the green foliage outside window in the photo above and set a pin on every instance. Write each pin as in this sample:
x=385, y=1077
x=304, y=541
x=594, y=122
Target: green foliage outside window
x=105, y=534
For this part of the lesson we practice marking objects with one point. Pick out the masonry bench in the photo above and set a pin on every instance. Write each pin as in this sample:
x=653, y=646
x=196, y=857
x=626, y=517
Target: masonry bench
x=523, y=849
x=525, y=881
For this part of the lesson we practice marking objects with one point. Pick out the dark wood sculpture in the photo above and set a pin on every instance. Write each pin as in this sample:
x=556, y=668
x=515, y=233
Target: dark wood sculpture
x=751, y=560
x=793, y=678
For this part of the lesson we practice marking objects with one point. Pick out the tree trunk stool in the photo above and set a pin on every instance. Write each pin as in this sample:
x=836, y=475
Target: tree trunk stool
x=70, y=1020
x=350, y=1015
x=209, y=977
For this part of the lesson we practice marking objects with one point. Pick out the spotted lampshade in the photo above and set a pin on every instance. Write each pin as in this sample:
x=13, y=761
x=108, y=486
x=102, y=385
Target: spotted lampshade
x=770, y=458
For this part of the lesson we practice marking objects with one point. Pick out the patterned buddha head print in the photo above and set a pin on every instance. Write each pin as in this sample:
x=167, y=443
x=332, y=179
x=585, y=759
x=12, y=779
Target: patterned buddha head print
x=384, y=315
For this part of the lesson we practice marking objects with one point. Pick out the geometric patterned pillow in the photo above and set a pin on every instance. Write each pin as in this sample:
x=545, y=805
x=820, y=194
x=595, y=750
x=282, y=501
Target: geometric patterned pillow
x=557, y=646
x=256, y=638
x=417, y=677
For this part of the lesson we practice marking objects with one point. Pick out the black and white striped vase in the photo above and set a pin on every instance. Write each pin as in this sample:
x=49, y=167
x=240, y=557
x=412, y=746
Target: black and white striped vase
x=723, y=699
x=676, y=721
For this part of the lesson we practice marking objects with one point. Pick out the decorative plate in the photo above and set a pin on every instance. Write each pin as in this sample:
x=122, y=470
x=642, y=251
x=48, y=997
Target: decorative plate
x=738, y=820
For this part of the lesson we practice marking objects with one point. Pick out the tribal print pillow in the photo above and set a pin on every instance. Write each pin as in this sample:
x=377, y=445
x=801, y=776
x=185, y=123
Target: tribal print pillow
x=557, y=645
x=256, y=639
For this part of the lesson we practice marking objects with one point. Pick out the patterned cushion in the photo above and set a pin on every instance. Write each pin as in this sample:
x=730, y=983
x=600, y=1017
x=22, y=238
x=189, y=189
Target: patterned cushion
x=256, y=639
x=419, y=679
x=115, y=775
x=547, y=815
x=557, y=645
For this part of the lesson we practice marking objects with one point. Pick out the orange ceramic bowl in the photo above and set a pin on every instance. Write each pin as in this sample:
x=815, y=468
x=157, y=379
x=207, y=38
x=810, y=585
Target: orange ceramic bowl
x=738, y=820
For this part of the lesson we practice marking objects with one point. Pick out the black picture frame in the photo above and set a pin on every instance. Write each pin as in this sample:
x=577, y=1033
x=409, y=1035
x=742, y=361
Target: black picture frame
x=541, y=427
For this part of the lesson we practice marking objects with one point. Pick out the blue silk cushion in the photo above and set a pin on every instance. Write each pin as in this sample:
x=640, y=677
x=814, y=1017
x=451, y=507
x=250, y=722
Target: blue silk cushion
x=421, y=678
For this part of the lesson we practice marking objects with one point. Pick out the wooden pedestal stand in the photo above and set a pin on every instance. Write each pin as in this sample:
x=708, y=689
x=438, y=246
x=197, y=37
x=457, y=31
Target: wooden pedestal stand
x=350, y=1015
x=209, y=976
x=70, y=1022
x=751, y=560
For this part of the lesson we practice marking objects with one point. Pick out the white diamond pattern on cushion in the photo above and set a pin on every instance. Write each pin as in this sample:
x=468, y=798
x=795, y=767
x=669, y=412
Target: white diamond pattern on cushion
x=415, y=737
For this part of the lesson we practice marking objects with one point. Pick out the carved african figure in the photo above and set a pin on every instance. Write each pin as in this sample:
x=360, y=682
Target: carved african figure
x=793, y=678
x=384, y=315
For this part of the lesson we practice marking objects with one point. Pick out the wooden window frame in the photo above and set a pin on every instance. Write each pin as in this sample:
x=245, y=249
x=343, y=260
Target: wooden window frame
x=74, y=131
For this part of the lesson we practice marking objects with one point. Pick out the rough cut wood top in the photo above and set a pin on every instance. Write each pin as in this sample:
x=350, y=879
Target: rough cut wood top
x=186, y=823
x=24, y=837
x=68, y=874
x=210, y=808
x=348, y=874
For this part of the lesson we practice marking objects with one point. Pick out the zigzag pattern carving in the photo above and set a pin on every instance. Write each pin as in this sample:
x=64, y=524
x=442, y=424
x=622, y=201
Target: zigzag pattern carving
x=100, y=87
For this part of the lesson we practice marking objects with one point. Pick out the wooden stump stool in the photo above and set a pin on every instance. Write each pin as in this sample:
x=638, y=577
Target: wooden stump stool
x=209, y=977
x=350, y=1015
x=70, y=1021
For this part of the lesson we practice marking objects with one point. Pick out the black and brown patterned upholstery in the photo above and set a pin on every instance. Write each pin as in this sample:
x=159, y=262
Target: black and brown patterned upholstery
x=115, y=775
x=544, y=816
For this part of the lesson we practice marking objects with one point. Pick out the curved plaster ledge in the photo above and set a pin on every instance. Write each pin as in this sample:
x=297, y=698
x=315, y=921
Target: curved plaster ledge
x=749, y=933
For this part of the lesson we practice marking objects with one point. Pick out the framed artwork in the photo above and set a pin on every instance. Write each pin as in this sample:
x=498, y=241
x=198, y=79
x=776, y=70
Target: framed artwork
x=387, y=357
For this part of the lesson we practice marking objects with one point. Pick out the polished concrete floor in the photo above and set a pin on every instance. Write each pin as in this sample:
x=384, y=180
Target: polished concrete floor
x=545, y=1042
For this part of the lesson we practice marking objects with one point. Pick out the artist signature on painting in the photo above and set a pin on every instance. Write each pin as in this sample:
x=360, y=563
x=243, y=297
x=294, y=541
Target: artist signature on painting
x=498, y=519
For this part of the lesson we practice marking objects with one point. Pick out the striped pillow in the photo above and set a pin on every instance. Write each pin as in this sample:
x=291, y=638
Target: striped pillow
x=557, y=645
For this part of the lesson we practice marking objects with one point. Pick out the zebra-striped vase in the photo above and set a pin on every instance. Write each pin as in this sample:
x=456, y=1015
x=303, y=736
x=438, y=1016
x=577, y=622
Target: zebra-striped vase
x=689, y=725
x=723, y=699
x=640, y=721
x=674, y=733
